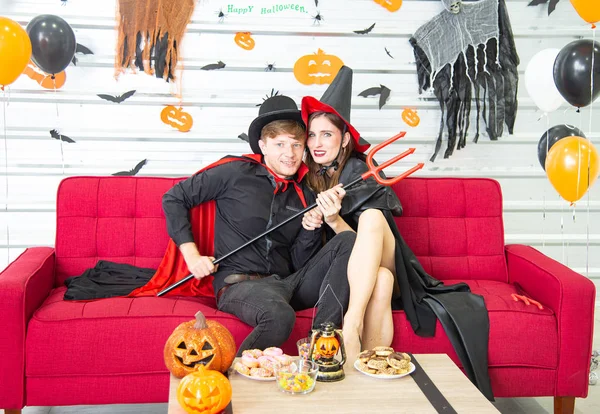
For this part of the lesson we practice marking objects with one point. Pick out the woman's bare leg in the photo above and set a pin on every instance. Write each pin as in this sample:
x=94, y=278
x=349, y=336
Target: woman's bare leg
x=374, y=247
x=379, y=327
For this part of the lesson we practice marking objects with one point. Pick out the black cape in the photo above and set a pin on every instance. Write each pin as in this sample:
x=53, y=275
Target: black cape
x=423, y=298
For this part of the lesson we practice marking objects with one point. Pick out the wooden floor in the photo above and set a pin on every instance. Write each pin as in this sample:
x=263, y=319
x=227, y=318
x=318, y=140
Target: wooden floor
x=590, y=405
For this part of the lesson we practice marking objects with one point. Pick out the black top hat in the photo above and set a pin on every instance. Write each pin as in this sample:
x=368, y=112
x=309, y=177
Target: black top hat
x=337, y=99
x=278, y=107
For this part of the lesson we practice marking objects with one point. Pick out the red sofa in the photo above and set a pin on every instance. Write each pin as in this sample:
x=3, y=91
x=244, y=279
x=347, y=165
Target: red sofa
x=108, y=351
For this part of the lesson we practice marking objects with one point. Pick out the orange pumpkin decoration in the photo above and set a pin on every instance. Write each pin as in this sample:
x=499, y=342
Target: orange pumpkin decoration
x=177, y=118
x=197, y=343
x=391, y=5
x=319, y=68
x=327, y=346
x=411, y=117
x=204, y=392
x=244, y=40
x=45, y=80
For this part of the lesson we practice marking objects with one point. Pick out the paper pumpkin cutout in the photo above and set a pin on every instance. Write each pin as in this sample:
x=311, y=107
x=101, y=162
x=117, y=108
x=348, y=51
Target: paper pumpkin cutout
x=319, y=68
x=177, y=118
x=44, y=79
x=411, y=117
x=391, y=5
x=244, y=40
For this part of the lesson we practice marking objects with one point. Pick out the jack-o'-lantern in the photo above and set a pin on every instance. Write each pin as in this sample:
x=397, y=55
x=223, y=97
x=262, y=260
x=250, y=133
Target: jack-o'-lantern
x=327, y=346
x=204, y=392
x=319, y=68
x=196, y=343
x=176, y=118
x=391, y=5
x=244, y=40
x=411, y=117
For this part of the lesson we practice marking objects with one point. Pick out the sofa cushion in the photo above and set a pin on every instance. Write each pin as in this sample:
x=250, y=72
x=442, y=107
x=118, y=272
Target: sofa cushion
x=520, y=335
x=84, y=337
x=454, y=226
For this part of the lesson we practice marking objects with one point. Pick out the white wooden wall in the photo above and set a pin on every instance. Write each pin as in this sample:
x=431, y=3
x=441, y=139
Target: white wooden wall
x=113, y=137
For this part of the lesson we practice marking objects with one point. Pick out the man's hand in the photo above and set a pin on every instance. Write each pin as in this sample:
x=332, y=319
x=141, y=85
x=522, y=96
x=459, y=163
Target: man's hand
x=313, y=219
x=200, y=266
x=330, y=203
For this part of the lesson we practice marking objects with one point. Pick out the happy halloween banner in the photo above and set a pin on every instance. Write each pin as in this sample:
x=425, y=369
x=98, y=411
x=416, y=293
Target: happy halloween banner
x=265, y=7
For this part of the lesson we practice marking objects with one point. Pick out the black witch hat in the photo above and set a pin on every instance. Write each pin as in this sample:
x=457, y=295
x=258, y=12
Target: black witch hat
x=337, y=99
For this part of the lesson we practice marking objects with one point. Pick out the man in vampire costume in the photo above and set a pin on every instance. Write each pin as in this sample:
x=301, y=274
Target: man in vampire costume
x=424, y=299
x=265, y=283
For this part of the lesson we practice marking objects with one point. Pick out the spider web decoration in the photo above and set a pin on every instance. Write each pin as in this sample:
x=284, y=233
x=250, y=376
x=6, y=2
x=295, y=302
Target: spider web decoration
x=149, y=35
x=465, y=52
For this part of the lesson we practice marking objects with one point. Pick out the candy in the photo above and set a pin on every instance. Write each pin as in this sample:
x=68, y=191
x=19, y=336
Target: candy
x=295, y=382
x=303, y=350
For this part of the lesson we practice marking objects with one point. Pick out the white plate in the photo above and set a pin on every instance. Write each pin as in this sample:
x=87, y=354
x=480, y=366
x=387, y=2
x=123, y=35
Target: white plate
x=256, y=378
x=382, y=376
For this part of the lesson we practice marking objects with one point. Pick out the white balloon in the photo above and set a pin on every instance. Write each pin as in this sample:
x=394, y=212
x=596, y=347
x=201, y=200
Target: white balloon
x=539, y=81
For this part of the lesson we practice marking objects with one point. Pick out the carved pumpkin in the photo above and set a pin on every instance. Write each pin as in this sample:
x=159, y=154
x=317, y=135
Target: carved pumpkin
x=204, y=392
x=411, y=117
x=196, y=343
x=319, y=68
x=327, y=346
x=244, y=40
x=176, y=118
x=45, y=80
x=391, y=5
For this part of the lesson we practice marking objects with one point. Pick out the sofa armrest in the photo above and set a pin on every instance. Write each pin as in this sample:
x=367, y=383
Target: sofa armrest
x=571, y=296
x=24, y=285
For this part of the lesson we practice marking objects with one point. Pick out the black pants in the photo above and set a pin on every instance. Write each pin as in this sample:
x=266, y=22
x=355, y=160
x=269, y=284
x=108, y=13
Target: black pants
x=270, y=304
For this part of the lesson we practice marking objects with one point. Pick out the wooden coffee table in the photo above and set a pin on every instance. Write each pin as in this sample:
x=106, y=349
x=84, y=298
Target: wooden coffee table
x=357, y=393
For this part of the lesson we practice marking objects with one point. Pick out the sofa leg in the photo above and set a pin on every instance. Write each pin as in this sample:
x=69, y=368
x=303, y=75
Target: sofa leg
x=11, y=411
x=564, y=405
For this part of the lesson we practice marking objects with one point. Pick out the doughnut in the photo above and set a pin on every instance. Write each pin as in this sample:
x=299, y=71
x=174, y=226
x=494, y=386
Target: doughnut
x=383, y=350
x=283, y=360
x=241, y=368
x=250, y=361
x=261, y=372
x=377, y=363
x=273, y=351
x=398, y=360
x=253, y=352
x=268, y=362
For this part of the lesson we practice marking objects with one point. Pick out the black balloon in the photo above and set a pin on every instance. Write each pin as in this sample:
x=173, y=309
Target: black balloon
x=53, y=43
x=552, y=136
x=573, y=72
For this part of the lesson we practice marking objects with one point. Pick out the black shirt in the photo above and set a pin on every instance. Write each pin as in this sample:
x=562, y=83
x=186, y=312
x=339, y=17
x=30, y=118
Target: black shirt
x=247, y=203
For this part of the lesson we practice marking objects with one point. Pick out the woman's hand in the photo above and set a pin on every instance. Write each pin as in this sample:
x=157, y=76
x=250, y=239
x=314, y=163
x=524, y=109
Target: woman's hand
x=330, y=203
x=313, y=219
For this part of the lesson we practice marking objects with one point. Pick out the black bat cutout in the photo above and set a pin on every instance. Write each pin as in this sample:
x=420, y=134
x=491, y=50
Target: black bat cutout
x=381, y=90
x=316, y=3
x=551, y=5
x=366, y=31
x=133, y=171
x=213, y=66
x=119, y=98
x=244, y=137
x=388, y=53
x=57, y=135
x=83, y=50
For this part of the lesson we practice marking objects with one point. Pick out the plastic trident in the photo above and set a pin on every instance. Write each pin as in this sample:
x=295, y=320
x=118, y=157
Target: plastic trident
x=373, y=172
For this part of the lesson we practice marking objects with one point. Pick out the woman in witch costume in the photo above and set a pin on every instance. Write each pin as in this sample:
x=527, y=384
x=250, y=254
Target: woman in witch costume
x=336, y=155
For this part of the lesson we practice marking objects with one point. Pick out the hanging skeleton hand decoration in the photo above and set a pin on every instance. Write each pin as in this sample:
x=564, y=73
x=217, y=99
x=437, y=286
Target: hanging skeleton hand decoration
x=465, y=52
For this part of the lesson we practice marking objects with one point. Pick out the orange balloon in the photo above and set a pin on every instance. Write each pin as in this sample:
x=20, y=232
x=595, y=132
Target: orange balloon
x=589, y=10
x=567, y=167
x=15, y=50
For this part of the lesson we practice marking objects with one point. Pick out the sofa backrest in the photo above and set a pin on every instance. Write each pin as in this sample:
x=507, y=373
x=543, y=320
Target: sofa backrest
x=454, y=226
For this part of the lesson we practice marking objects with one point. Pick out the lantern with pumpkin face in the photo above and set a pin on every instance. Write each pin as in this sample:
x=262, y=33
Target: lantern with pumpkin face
x=244, y=40
x=391, y=5
x=327, y=346
x=204, y=392
x=319, y=68
x=199, y=343
x=176, y=118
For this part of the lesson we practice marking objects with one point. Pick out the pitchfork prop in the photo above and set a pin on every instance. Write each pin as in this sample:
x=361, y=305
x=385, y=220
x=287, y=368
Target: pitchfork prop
x=372, y=172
